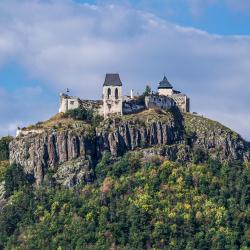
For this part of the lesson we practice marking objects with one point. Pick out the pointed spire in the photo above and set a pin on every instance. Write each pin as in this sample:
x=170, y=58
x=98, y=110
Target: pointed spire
x=165, y=84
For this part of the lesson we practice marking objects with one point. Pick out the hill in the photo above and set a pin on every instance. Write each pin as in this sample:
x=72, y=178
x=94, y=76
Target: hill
x=152, y=180
x=63, y=142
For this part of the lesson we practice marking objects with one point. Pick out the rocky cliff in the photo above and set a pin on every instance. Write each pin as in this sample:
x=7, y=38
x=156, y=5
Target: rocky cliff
x=71, y=149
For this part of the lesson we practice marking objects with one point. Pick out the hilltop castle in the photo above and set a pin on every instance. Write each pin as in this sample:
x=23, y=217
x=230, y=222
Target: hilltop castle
x=113, y=102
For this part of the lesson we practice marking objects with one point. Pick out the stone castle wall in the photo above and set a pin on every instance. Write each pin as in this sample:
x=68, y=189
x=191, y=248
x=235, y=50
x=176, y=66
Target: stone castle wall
x=70, y=102
x=95, y=105
x=132, y=106
x=182, y=101
x=159, y=101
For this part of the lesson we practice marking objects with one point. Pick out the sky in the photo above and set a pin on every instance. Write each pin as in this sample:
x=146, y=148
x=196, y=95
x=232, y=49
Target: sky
x=46, y=46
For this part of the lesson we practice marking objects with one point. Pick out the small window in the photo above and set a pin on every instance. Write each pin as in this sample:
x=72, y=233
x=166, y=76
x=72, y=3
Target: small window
x=109, y=93
x=116, y=93
x=72, y=102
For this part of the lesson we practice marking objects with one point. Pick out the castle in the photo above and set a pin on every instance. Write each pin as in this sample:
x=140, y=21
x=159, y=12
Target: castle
x=113, y=101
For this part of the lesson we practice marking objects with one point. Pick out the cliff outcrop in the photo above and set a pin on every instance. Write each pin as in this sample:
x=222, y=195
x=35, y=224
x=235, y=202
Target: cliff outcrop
x=71, y=149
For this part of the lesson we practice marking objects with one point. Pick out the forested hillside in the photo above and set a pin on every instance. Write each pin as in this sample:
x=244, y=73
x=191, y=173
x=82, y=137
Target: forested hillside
x=137, y=202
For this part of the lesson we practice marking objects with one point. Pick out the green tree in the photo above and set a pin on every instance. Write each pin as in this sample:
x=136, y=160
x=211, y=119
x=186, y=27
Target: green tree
x=4, y=148
x=199, y=155
x=141, y=98
x=147, y=91
x=15, y=179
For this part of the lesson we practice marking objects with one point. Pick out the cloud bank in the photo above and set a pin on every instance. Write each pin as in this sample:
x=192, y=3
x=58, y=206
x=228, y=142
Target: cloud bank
x=67, y=44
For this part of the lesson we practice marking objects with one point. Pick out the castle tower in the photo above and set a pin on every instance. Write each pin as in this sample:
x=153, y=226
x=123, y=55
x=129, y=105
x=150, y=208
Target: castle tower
x=68, y=102
x=63, y=103
x=165, y=88
x=112, y=95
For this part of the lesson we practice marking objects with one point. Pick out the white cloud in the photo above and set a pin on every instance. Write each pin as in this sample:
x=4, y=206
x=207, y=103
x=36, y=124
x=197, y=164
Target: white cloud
x=73, y=45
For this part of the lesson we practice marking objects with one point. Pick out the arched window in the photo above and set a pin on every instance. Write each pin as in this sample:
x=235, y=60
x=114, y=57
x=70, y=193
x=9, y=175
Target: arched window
x=109, y=93
x=116, y=93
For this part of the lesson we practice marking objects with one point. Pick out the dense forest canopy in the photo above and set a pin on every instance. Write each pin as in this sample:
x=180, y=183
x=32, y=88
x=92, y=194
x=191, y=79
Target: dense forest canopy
x=137, y=202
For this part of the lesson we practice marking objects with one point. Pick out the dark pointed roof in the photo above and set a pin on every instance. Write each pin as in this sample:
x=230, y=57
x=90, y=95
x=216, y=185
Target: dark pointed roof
x=112, y=80
x=165, y=84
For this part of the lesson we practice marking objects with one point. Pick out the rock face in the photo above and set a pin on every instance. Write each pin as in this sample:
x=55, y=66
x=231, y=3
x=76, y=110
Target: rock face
x=217, y=139
x=73, y=153
x=74, y=172
x=36, y=153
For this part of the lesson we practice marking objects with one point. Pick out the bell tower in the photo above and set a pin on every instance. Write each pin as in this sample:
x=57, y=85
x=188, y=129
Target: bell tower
x=112, y=95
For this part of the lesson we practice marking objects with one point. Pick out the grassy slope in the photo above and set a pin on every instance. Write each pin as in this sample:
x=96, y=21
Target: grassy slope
x=59, y=123
x=201, y=124
x=191, y=122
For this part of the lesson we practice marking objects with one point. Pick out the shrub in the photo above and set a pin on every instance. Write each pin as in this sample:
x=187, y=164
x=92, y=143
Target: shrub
x=83, y=114
x=79, y=114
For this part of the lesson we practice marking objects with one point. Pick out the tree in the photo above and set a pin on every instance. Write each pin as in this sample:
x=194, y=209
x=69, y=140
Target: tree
x=4, y=147
x=199, y=155
x=15, y=179
x=141, y=98
x=147, y=91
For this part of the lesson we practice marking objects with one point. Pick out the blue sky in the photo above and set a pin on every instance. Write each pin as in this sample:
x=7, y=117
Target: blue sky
x=203, y=47
x=215, y=16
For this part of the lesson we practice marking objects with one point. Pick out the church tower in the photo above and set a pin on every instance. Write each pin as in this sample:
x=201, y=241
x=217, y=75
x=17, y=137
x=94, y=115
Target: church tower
x=112, y=95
